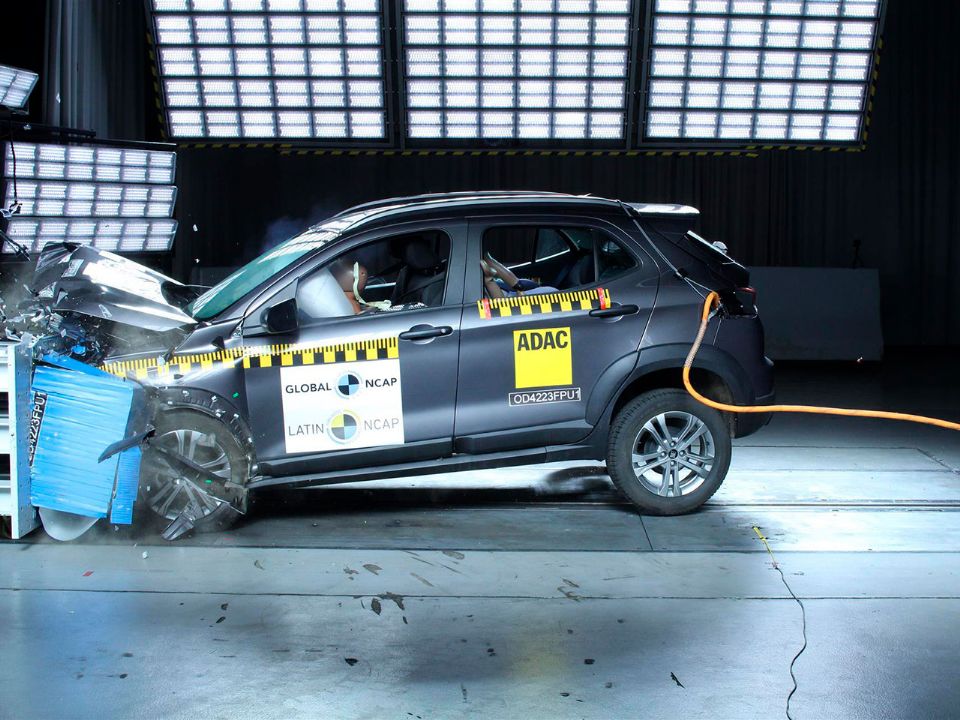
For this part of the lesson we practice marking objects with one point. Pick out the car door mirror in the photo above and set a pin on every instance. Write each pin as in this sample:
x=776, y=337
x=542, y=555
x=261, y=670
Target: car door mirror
x=281, y=318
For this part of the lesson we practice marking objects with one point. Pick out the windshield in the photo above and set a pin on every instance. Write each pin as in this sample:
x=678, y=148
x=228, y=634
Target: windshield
x=228, y=291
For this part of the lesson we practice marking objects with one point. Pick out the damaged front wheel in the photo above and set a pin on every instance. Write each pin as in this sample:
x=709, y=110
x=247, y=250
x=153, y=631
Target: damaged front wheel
x=193, y=473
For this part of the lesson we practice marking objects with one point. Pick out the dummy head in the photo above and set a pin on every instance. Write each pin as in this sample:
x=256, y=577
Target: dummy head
x=351, y=276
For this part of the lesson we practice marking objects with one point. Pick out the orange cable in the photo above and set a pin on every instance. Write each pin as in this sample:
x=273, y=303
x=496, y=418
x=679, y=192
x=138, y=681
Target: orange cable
x=712, y=301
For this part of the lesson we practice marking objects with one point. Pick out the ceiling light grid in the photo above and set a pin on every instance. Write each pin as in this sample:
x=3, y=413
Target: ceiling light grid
x=115, y=234
x=114, y=198
x=287, y=69
x=528, y=70
x=88, y=163
x=759, y=71
x=16, y=86
x=92, y=199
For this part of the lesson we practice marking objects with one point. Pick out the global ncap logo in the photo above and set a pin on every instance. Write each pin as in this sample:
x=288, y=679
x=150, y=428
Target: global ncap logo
x=343, y=427
x=348, y=385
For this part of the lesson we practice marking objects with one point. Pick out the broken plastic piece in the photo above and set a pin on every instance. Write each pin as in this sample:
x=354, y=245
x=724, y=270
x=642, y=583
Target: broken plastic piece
x=182, y=523
x=129, y=442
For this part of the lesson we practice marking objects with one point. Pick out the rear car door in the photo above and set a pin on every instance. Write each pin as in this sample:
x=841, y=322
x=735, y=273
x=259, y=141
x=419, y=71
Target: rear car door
x=349, y=390
x=535, y=368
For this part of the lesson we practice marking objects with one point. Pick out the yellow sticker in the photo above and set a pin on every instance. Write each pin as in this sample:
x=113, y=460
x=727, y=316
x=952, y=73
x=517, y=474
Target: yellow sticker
x=542, y=357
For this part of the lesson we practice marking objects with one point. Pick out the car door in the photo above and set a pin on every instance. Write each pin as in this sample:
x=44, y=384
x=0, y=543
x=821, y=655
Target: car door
x=352, y=391
x=531, y=365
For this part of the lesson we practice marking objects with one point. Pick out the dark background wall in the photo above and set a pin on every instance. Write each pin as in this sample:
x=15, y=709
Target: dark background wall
x=897, y=199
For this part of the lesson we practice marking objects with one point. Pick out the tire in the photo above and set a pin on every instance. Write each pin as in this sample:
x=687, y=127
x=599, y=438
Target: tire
x=639, y=441
x=209, y=443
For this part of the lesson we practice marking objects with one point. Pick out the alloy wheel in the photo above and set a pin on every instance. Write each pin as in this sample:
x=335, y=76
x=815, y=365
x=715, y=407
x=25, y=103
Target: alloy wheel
x=673, y=454
x=168, y=490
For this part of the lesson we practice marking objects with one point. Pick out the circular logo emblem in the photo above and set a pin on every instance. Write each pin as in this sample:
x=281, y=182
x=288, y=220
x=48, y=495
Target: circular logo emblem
x=342, y=427
x=348, y=385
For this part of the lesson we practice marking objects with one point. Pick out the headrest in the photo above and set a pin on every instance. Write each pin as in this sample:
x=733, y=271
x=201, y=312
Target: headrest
x=419, y=256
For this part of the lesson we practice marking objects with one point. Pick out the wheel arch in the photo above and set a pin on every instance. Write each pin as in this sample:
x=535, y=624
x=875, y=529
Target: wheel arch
x=715, y=374
x=214, y=406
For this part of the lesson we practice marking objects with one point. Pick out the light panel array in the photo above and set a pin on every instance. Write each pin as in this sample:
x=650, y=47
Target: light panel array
x=113, y=198
x=89, y=163
x=523, y=69
x=123, y=235
x=307, y=69
x=15, y=86
x=92, y=199
x=792, y=71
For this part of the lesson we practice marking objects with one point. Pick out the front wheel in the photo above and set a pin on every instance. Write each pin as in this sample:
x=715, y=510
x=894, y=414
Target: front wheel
x=667, y=453
x=208, y=498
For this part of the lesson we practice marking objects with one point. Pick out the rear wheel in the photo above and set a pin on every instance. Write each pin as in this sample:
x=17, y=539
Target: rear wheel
x=667, y=453
x=209, y=495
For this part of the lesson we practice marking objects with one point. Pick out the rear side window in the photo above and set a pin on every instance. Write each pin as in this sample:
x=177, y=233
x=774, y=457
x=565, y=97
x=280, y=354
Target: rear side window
x=556, y=258
x=550, y=244
x=513, y=246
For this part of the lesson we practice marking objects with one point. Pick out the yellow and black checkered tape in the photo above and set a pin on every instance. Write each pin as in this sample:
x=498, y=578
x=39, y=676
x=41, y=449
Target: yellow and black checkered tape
x=542, y=304
x=178, y=365
x=257, y=357
x=289, y=355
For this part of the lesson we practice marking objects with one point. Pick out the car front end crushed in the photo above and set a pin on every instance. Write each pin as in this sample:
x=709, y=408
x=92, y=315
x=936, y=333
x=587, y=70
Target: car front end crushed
x=92, y=316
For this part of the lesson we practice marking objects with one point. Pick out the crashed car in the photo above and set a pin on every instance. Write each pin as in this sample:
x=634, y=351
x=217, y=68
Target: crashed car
x=425, y=360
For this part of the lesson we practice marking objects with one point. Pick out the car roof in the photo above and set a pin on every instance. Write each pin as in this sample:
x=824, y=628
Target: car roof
x=413, y=207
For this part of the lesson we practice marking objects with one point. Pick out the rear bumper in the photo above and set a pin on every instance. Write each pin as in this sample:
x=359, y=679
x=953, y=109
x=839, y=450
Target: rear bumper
x=748, y=423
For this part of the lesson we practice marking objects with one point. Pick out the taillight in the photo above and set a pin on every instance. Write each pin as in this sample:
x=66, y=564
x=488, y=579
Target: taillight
x=747, y=297
x=740, y=301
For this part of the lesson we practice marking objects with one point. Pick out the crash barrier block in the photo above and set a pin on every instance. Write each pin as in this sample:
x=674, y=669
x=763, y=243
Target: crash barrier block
x=15, y=367
x=77, y=412
x=820, y=313
x=128, y=481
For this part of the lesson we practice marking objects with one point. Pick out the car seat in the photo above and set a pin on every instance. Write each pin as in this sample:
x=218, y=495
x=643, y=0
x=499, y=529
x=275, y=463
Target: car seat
x=581, y=272
x=421, y=277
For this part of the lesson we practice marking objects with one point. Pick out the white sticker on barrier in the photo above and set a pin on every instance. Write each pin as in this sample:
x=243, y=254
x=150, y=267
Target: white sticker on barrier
x=342, y=406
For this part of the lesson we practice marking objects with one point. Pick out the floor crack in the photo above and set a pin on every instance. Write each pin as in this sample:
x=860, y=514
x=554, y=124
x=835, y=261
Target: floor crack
x=939, y=461
x=803, y=617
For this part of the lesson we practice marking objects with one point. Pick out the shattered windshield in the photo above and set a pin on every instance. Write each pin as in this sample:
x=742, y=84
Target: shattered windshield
x=228, y=291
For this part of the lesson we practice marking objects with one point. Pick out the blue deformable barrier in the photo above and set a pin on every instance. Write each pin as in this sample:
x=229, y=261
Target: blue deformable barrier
x=78, y=411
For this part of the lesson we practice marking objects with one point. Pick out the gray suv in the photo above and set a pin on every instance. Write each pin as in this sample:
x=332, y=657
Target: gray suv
x=429, y=334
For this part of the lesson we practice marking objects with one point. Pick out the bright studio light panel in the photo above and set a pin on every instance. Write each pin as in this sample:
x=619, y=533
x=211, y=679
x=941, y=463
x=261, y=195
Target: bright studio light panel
x=516, y=69
x=114, y=198
x=89, y=163
x=16, y=86
x=92, y=199
x=759, y=71
x=288, y=69
x=114, y=234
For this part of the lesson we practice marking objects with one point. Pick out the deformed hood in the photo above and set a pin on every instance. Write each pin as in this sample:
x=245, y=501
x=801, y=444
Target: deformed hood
x=82, y=279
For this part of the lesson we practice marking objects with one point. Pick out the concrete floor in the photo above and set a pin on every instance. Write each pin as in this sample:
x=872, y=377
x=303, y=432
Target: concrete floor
x=534, y=592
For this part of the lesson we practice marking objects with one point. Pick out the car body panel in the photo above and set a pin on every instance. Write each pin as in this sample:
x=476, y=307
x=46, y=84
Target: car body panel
x=97, y=283
x=425, y=371
x=512, y=392
x=453, y=392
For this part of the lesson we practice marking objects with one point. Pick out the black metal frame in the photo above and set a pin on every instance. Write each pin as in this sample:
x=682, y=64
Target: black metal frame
x=680, y=144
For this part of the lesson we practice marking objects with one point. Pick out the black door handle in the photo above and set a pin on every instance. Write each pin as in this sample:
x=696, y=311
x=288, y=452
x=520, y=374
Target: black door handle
x=615, y=311
x=425, y=332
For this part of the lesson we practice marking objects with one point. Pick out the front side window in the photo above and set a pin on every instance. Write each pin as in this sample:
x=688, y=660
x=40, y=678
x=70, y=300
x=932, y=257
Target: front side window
x=544, y=259
x=404, y=272
x=273, y=261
